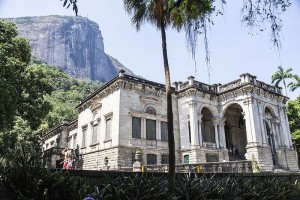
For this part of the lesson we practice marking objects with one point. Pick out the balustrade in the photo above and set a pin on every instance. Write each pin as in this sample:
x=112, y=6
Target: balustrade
x=211, y=167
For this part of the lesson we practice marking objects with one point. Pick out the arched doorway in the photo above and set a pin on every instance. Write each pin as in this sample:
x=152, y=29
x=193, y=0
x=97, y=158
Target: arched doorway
x=207, y=128
x=235, y=132
x=270, y=135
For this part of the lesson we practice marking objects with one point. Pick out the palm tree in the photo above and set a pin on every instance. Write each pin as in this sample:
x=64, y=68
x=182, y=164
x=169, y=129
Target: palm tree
x=176, y=13
x=294, y=85
x=281, y=75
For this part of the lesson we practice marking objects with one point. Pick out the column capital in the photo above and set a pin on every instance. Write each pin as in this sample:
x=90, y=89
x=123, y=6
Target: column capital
x=215, y=121
x=222, y=121
x=192, y=103
x=249, y=100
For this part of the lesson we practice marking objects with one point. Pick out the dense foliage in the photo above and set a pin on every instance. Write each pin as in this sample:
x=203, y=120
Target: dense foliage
x=200, y=186
x=22, y=87
x=293, y=108
x=24, y=177
x=67, y=93
x=34, y=96
x=293, y=111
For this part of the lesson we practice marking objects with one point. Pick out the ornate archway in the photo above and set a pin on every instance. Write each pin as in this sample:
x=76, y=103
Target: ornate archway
x=270, y=132
x=235, y=132
x=207, y=128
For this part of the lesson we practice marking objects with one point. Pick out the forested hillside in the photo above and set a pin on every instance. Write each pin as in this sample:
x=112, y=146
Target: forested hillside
x=67, y=92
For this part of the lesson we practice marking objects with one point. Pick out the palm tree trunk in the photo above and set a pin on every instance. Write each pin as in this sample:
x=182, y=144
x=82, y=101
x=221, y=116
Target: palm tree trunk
x=285, y=87
x=171, y=140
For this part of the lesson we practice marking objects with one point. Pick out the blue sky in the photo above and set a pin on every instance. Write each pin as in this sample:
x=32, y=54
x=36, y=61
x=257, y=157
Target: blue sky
x=233, y=48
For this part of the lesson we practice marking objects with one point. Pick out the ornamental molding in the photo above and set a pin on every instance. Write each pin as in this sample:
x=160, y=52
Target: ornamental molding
x=248, y=101
x=192, y=103
x=150, y=99
x=96, y=105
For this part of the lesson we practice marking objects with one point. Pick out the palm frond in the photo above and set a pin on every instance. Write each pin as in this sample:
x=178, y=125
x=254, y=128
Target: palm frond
x=294, y=85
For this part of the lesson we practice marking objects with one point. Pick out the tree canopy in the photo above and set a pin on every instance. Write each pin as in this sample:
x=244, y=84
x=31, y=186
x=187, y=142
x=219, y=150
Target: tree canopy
x=281, y=76
x=294, y=84
x=22, y=87
x=293, y=107
x=34, y=96
x=67, y=92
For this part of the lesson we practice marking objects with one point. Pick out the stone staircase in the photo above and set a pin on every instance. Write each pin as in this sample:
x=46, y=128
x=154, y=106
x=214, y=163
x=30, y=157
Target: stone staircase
x=236, y=157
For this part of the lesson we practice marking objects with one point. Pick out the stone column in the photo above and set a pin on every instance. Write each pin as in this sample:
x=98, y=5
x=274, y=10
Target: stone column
x=199, y=130
x=252, y=124
x=262, y=125
x=274, y=132
x=193, y=123
x=216, y=123
x=222, y=133
x=278, y=132
x=158, y=130
x=284, y=128
x=143, y=124
x=288, y=131
x=64, y=137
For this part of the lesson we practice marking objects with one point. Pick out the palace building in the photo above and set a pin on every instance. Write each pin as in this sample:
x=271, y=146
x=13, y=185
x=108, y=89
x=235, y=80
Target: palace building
x=245, y=119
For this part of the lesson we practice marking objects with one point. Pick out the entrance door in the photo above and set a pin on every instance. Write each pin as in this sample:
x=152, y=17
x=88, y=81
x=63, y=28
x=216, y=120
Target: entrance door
x=235, y=132
x=271, y=142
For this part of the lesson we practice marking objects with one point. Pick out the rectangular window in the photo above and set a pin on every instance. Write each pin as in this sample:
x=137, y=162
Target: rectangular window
x=164, y=131
x=150, y=129
x=75, y=141
x=83, y=137
x=186, y=159
x=164, y=159
x=136, y=127
x=151, y=159
x=95, y=133
x=108, y=129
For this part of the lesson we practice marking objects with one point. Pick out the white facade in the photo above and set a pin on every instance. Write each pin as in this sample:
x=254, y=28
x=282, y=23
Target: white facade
x=243, y=120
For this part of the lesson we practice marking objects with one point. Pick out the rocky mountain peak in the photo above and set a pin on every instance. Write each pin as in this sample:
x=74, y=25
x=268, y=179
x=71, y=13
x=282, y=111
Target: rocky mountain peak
x=73, y=43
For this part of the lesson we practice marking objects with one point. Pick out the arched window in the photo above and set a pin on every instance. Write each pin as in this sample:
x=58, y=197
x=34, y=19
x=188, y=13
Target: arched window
x=150, y=110
x=207, y=127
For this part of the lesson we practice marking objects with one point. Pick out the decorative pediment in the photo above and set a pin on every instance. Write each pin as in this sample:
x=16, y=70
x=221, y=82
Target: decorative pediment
x=149, y=99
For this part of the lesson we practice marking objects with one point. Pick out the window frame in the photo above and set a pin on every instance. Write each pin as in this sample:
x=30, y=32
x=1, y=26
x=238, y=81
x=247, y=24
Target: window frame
x=165, y=157
x=95, y=124
x=150, y=157
x=84, y=132
x=166, y=136
x=150, y=135
x=108, y=132
x=136, y=134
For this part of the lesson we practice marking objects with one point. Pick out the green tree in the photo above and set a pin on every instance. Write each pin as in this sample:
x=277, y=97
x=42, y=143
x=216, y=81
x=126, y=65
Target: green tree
x=22, y=87
x=281, y=75
x=294, y=85
x=293, y=111
x=67, y=93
